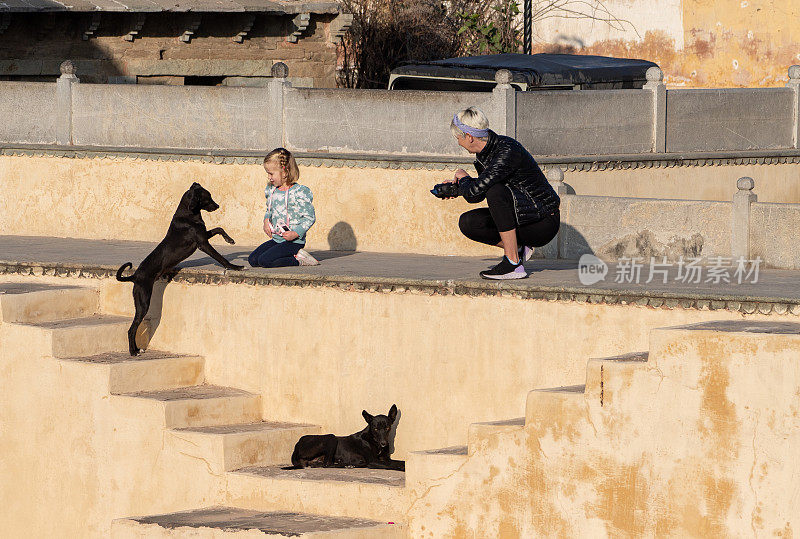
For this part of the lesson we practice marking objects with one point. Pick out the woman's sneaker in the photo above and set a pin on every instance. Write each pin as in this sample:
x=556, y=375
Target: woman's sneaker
x=305, y=259
x=505, y=270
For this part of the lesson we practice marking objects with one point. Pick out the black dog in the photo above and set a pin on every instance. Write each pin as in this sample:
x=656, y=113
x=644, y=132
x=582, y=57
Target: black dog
x=368, y=448
x=187, y=233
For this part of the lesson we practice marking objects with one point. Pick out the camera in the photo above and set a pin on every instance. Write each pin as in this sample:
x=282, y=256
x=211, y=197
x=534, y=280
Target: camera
x=445, y=190
x=281, y=228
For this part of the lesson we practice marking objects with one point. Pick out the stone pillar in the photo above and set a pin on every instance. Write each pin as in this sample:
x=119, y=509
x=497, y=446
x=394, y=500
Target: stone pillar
x=505, y=99
x=277, y=87
x=64, y=103
x=740, y=218
x=556, y=178
x=794, y=84
x=655, y=83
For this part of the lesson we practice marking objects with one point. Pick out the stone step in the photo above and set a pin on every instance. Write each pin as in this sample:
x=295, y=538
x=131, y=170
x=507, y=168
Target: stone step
x=425, y=468
x=351, y=492
x=695, y=353
x=230, y=447
x=194, y=406
x=607, y=377
x=218, y=522
x=479, y=433
x=77, y=337
x=150, y=371
x=549, y=406
x=31, y=302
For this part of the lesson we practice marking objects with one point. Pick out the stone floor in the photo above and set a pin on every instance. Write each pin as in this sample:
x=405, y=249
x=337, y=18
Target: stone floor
x=277, y=522
x=546, y=275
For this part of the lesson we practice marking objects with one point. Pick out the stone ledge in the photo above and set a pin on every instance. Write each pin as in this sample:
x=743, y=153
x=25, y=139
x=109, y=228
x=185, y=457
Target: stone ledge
x=653, y=299
x=581, y=163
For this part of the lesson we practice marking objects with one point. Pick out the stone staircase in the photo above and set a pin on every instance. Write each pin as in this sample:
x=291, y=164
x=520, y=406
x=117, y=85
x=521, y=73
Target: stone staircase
x=699, y=425
x=691, y=436
x=221, y=426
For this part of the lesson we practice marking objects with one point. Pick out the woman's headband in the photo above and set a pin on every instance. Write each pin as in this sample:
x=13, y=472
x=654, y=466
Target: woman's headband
x=474, y=131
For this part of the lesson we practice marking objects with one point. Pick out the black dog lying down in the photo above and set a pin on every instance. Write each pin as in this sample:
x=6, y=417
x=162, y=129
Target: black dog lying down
x=368, y=448
x=187, y=233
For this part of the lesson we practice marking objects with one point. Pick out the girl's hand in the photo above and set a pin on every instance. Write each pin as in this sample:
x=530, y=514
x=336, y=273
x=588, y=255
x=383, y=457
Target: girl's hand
x=290, y=235
x=267, y=227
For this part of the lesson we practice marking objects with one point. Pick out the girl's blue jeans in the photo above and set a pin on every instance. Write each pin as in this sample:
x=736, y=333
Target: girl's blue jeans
x=275, y=255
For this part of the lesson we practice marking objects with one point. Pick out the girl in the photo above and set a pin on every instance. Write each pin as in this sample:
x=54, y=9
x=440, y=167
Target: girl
x=290, y=214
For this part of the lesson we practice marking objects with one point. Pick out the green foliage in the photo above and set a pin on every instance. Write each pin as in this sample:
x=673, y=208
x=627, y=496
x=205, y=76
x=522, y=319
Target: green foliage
x=492, y=31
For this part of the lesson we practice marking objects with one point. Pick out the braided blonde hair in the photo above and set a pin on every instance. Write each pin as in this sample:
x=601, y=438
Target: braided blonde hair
x=286, y=161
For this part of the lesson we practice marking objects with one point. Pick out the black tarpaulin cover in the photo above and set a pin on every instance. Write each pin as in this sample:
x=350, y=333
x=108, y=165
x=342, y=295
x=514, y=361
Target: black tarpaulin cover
x=534, y=69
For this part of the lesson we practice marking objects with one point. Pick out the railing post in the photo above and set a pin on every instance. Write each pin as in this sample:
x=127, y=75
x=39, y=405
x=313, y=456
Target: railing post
x=655, y=83
x=740, y=218
x=556, y=178
x=505, y=98
x=794, y=84
x=64, y=103
x=277, y=86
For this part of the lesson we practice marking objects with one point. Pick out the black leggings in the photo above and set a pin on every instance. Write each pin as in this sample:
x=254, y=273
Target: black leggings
x=485, y=224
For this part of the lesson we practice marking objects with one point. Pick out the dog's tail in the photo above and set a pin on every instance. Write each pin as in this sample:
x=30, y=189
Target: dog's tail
x=122, y=269
x=294, y=467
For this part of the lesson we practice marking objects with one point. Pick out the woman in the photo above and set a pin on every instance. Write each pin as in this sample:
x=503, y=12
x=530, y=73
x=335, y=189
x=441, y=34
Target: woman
x=523, y=207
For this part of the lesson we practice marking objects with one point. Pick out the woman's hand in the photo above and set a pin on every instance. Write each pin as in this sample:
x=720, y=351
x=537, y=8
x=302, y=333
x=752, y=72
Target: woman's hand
x=290, y=235
x=267, y=227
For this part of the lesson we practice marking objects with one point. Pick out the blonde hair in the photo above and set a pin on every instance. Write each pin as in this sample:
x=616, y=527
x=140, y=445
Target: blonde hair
x=473, y=117
x=286, y=161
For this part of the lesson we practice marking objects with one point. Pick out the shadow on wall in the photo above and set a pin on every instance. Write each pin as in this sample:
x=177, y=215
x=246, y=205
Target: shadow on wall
x=342, y=238
x=153, y=317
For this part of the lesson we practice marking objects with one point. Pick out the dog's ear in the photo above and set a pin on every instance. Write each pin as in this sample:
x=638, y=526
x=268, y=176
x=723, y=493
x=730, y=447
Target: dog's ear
x=367, y=416
x=195, y=185
x=392, y=413
x=194, y=200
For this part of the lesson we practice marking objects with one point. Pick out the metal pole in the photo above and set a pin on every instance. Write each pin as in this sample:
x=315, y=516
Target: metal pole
x=527, y=26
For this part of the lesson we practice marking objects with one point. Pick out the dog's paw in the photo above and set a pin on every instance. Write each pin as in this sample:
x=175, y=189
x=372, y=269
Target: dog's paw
x=236, y=267
x=230, y=240
x=136, y=352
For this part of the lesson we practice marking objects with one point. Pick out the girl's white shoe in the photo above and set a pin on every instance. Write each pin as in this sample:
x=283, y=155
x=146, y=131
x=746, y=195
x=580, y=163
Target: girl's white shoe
x=305, y=259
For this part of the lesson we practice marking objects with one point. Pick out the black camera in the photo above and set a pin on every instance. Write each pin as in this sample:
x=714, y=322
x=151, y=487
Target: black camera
x=445, y=190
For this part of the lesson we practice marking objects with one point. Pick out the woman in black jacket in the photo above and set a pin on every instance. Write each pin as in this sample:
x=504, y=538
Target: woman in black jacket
x=523, y=207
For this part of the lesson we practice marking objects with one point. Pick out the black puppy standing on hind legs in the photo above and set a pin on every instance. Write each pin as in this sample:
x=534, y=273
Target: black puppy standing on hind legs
x=368, y=448
x=187, y=233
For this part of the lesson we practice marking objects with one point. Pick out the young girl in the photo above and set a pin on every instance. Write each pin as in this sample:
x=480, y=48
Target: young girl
x=289, y=215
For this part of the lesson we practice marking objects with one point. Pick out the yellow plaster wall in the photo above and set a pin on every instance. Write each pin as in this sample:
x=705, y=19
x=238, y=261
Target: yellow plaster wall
x=698, y=43
x=366, y=209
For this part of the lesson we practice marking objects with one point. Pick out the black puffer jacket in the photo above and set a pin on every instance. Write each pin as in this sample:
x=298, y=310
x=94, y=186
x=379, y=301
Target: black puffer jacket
x=504, y=160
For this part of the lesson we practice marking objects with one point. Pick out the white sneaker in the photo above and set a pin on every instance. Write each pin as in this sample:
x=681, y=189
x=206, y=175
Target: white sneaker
x=305, y=259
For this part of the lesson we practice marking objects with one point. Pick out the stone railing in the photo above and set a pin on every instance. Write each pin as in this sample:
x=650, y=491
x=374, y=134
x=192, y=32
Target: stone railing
x=629, y=125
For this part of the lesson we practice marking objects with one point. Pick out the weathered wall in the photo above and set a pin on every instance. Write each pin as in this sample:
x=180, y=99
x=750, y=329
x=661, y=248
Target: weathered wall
x=698, y=43
x=615, y=228
x=699, y=120
x=604, y=123
x=74, y=458
x=370, y=121
x=421, y=368
x=697, y=442
x=604, y=467
x=380, y=209
x=34, y=107
x=35, y=44
x=170, y=117
x=548, y=122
